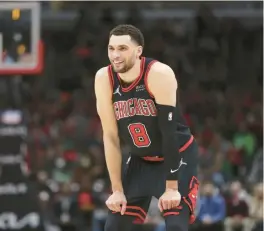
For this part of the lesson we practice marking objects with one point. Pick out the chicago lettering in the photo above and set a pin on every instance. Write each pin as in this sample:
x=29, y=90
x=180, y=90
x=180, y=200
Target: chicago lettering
x=134, y=106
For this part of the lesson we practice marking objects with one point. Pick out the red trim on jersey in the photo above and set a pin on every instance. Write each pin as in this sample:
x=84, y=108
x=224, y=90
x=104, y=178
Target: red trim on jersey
x=142, y=216
x=110, y=76
x=186, y=145
x=153, y=158
x=182, y=149
x=171, y=213
x=127, y=89
x=135, y=215
x=137, y=208
x=146, y=77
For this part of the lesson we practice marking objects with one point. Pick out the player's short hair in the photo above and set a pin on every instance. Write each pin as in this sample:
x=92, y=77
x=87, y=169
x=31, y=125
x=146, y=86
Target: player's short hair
x=126, y=29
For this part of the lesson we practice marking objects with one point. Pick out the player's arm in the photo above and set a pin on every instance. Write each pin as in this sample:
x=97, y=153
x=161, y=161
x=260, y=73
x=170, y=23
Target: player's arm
x=162, y=84
x=105, y=111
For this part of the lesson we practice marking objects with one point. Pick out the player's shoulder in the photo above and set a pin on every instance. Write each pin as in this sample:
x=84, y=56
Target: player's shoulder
x=159, y=69
x=102, y=80
x=102, y=76
x=159, y=66
x=102, y=73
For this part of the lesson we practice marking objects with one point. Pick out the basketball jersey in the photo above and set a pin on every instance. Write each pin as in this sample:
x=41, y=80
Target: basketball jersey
x=136, y=114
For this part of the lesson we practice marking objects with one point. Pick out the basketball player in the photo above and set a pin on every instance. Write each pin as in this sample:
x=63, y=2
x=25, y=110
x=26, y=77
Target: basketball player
x=136, y=102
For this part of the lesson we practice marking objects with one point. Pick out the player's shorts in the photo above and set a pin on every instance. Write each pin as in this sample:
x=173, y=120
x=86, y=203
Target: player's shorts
x=143, y=179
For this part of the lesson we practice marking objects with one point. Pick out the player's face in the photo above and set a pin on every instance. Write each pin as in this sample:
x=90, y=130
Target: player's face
x=123, y=53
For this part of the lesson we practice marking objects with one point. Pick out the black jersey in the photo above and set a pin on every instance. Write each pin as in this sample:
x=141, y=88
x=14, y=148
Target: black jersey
x=136, y=114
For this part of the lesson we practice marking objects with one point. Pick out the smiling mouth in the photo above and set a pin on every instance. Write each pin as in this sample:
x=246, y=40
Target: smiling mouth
x=116, y=63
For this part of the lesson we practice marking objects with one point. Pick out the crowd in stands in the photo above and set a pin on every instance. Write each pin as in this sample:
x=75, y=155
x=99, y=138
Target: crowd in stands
x=218, y=64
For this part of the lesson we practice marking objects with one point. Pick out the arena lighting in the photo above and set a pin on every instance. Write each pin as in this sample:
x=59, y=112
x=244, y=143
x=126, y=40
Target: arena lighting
x=16, y=14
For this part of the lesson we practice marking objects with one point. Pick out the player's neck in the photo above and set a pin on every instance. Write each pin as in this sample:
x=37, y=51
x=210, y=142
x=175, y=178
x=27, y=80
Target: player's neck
x=132, y=74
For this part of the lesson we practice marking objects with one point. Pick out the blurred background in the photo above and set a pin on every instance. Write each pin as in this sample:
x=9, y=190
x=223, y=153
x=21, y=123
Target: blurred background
x=49, y=54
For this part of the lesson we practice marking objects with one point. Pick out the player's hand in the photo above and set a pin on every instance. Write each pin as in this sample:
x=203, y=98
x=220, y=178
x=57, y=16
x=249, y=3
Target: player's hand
x=169, y=200
x=117, y=202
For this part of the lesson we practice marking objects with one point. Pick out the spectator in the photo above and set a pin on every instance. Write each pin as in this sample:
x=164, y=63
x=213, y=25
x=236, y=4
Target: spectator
x=211, y=209
x=256, y=172
x=256, y=208
x=211, y=161
x=86, y=202
x=66, y=210
x=245, y=140
x=100, y=192
x=237, y=209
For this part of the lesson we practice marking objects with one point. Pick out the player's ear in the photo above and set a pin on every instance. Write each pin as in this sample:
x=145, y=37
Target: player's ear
x=139, y=51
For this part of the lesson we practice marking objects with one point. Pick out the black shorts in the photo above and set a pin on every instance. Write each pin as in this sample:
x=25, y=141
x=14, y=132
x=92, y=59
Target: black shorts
x=143, y=179
x=147, y=178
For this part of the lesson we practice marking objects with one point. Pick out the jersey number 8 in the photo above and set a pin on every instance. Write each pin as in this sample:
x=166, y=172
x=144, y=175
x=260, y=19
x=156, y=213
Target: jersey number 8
x=139, y=135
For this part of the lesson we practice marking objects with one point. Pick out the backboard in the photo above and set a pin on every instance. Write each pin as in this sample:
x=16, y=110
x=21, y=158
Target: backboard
x=21, y=49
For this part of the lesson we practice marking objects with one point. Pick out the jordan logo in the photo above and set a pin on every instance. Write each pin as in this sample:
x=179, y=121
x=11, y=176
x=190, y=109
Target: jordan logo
x=181, y=163
x=117, y=91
